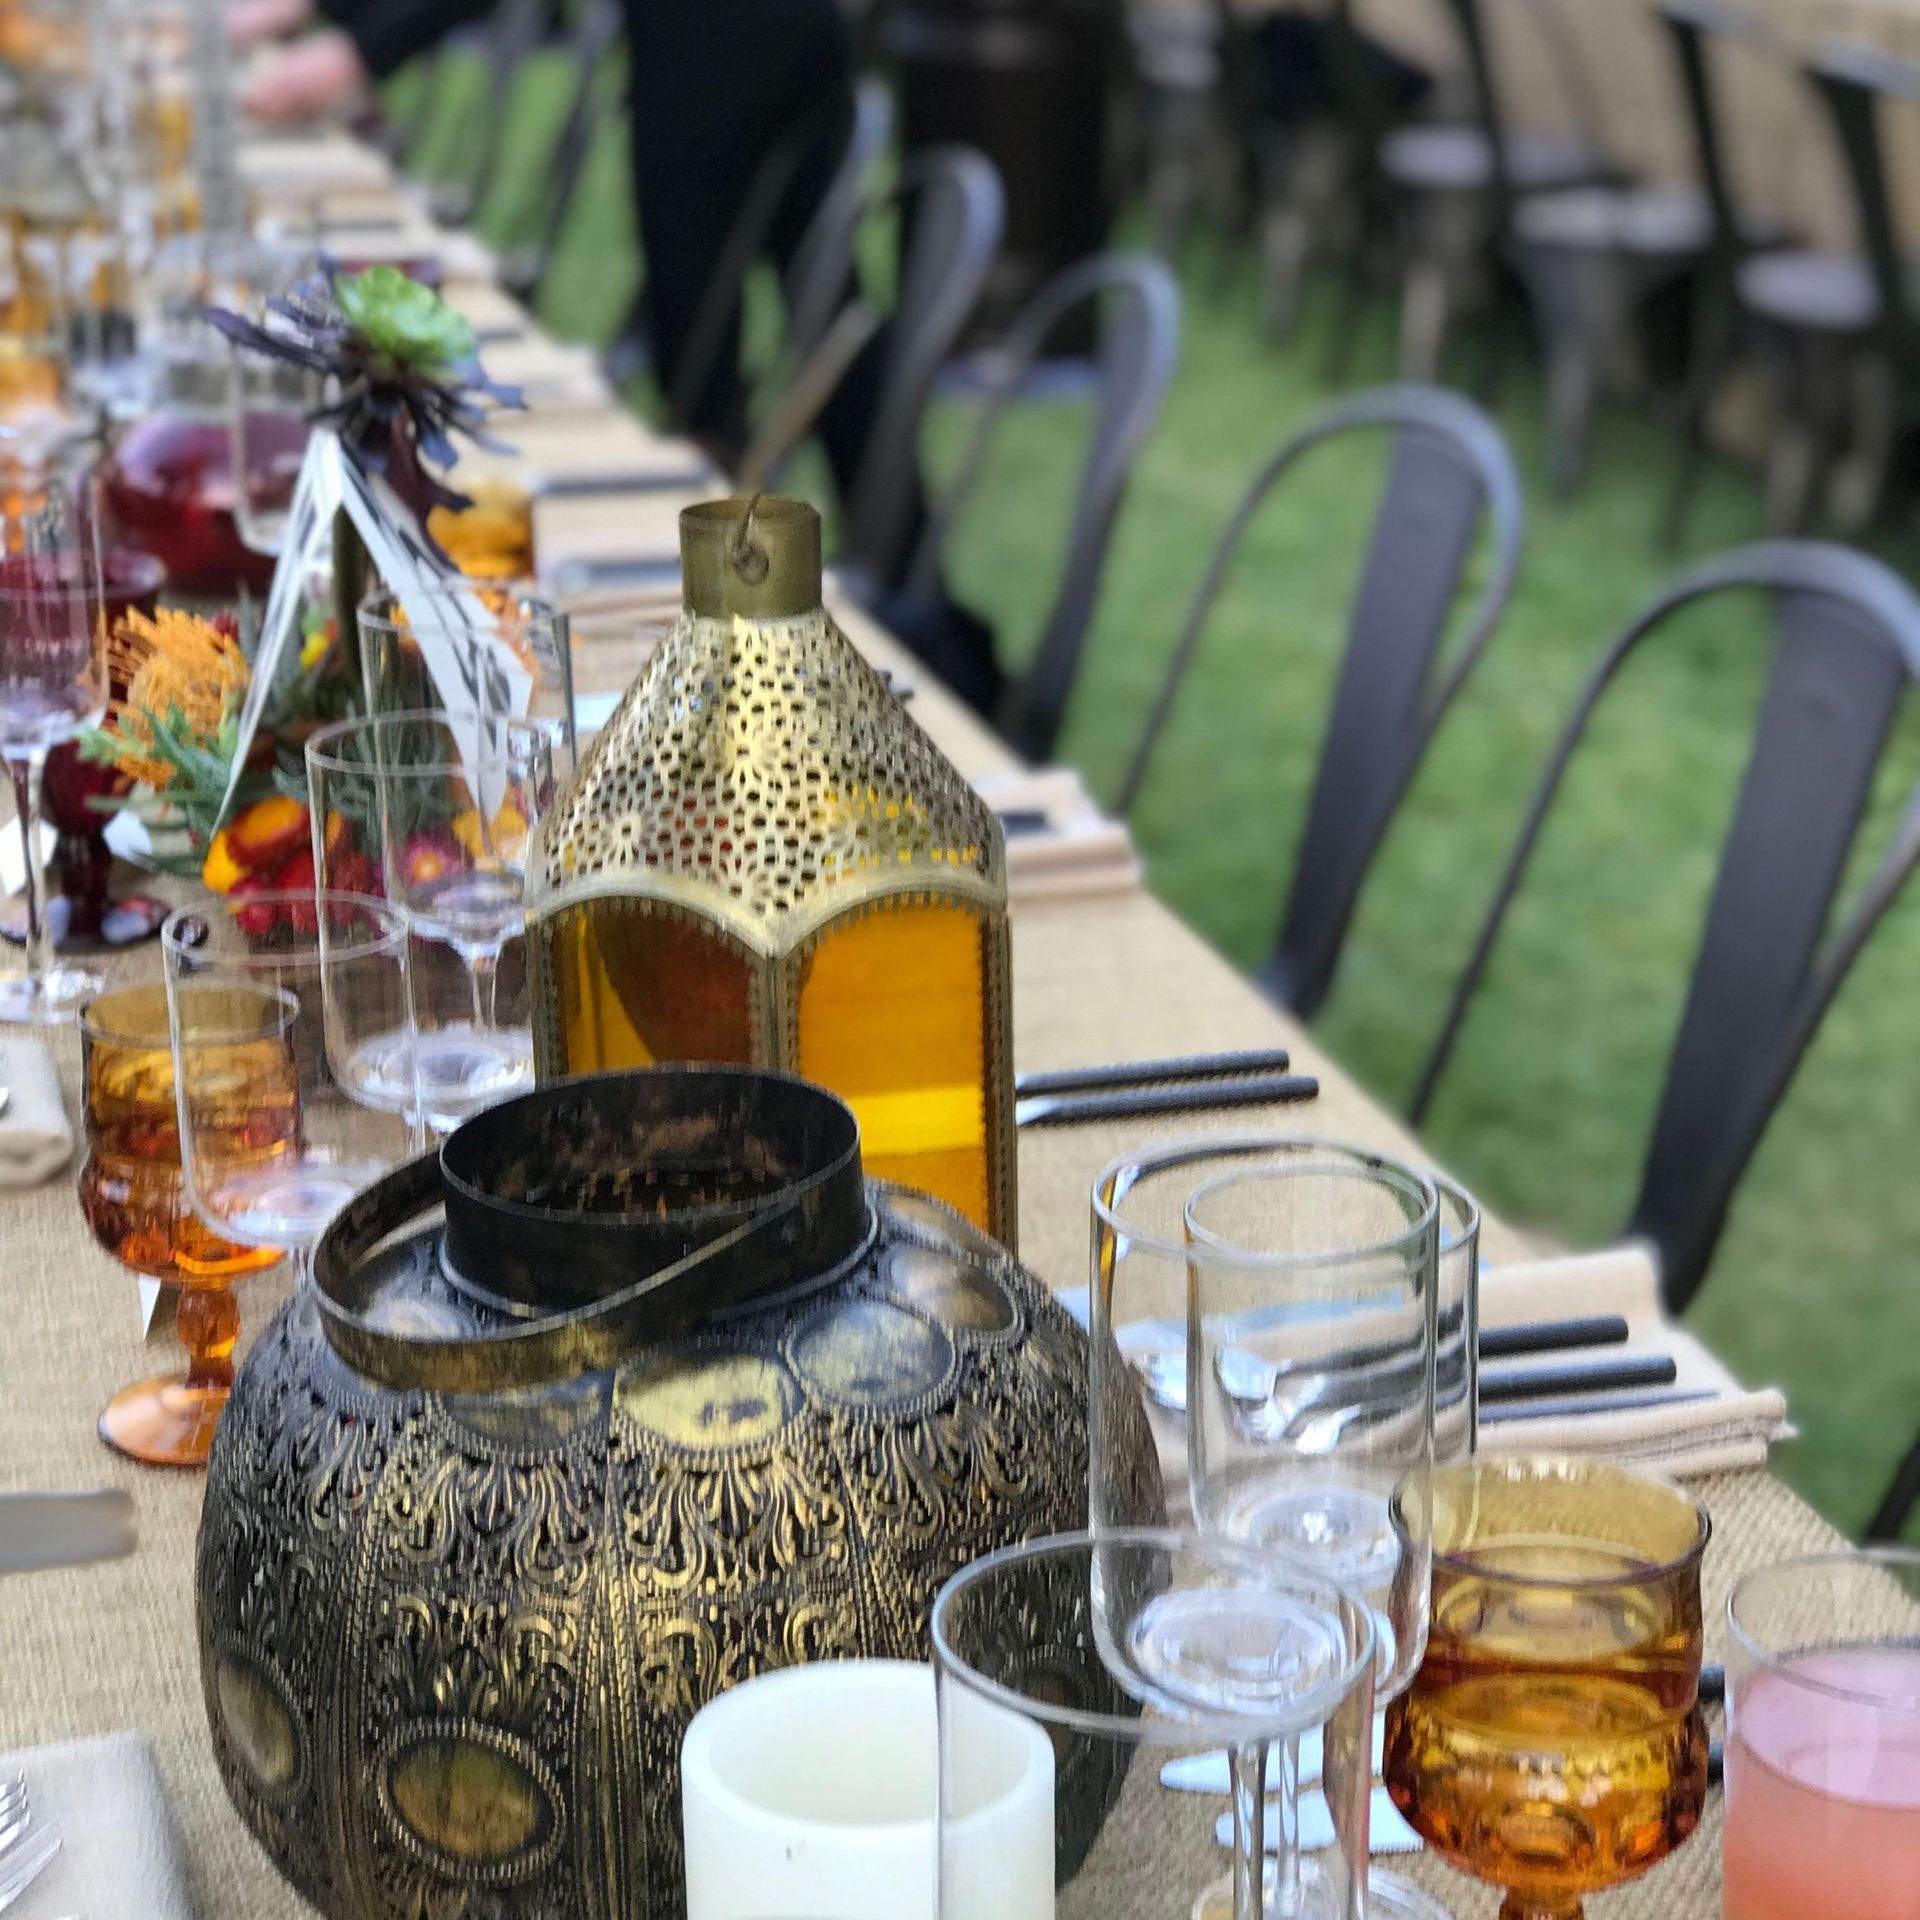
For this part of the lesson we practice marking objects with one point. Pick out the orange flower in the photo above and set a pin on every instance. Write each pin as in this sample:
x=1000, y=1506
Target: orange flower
x=263, y=835
x=171, y=662
x=221, y=872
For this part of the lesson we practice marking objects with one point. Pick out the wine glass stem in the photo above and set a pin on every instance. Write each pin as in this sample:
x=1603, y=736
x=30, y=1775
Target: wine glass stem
x=1249, y=1769
x=483, y=973
x=26, y=772
x=208, y=1322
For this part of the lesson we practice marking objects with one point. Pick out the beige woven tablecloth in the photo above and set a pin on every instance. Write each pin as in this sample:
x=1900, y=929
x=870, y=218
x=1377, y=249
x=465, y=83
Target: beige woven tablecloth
x=97, y=1649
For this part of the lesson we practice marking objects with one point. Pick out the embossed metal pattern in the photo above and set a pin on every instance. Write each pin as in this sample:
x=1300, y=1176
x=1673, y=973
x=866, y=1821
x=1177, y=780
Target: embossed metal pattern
x=764, y=770
x=450, y=1641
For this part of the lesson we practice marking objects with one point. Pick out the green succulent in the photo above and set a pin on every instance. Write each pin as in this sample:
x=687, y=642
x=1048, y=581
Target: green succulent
x=406, y=324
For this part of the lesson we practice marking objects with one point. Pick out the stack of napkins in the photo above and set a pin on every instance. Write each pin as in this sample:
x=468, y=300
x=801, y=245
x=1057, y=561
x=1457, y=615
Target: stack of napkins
x=1728, y=1428
x=1058, y=840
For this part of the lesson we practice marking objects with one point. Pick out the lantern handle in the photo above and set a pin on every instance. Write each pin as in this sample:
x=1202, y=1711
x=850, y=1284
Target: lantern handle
x=747, y=556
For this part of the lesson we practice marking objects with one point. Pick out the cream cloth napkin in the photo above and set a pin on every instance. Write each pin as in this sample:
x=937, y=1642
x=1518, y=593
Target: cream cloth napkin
x=120, y=1856
x=35, y=1139
x=1079, y=851
x=1732, y=1429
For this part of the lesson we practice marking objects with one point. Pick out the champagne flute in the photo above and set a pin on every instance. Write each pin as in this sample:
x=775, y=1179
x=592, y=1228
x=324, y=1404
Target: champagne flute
x=53, y=686
x=1311, y=1358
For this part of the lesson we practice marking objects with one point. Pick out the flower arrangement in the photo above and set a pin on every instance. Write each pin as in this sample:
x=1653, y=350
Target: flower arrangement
x=175, y=734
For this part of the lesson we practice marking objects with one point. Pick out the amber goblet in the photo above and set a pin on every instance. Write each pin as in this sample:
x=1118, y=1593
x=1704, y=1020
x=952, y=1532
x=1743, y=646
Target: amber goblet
x=134, y=1199
x=1552, y=1742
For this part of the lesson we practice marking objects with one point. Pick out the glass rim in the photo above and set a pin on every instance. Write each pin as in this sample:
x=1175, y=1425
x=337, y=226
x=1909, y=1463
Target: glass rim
x=1216, y=1250
x=93, y=1027
x=1204, y=1728
x=285, y=1011
x=1199, y=1146
x=371, y=617
x=1885, y=1555
x=322, y=739
x=1583, y=1466
x=1446, y=1187
x=357, y=945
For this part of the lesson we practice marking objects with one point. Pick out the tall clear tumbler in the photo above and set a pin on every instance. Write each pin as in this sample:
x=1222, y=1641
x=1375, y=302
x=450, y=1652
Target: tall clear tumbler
x=1069, y=1671
x=1311, y=1361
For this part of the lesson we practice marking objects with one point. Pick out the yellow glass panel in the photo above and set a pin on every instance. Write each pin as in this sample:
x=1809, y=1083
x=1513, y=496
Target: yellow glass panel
x=892, y=1018
x=635, y=988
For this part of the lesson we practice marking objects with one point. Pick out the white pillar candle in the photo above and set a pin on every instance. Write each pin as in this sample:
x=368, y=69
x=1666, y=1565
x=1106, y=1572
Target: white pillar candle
x=808, y=1794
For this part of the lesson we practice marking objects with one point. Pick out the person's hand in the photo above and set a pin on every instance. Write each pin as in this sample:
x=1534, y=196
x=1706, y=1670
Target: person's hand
x=251, y=21
x=320, y=75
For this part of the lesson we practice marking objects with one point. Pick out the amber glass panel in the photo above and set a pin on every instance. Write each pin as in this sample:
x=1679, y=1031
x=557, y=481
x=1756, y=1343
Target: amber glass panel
x=633, y=988
x=892, y=1018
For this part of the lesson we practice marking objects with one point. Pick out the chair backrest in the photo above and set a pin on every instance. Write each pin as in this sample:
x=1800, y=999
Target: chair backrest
x=1846, y=643
x=1856, y=82
x=516, y=28
x=595, y=37
x=821, y=270
x=955, y=208
x=1138, y=345
x=1448, y=469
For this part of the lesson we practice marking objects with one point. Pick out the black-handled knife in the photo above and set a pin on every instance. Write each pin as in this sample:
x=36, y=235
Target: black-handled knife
x=1507, y=1384
x=1582, y=1404
x=1155, y=1073
x=1136, y=1103
x=1595, y=1330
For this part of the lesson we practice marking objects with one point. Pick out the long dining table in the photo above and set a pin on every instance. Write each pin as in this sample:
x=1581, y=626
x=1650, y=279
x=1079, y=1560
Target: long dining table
x=1099, y=977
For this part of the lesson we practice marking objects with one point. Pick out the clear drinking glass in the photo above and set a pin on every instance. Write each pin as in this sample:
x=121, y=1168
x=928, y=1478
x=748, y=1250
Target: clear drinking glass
x=1456, y=1366
x=269, y=408
x=269, y=1163
x=480, y=647
x=1552, y=1743
x=1823, y=1747
x=53, y=685
x=1311, y=1354
x=1069, y=1671
x=437, y=810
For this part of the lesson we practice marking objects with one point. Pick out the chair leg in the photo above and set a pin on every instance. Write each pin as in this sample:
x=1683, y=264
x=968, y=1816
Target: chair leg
x=1804, y=441
x=1283, y=259
x=1572, y=378
x=1711, y=354
x=1425, y=298
x=1890, y=1520
x=1860, y=478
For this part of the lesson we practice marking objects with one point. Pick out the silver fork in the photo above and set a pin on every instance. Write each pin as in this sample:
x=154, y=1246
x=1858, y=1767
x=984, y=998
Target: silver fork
x=25, y=1849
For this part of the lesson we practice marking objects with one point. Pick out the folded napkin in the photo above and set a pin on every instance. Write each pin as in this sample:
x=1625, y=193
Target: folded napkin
x=544, y=368
x=1079, y=850
x=120, y=1856
x=35, y=1139
x=298, y=166
x=1732, y=1428
x=631, y=531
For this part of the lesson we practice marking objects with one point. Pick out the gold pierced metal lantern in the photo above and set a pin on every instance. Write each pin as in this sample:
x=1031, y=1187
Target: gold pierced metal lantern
x=763, y=860
x=639, y=1390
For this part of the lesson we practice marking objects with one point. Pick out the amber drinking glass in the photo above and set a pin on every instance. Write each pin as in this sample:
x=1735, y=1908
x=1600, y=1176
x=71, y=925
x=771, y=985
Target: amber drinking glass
x=134, y=1199
x=1552, y=1742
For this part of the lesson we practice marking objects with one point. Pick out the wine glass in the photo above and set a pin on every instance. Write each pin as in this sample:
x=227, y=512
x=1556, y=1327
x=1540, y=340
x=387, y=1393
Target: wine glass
x=269, y=1164
x=1552, y=1742
x=437, y=810
x=483, y=647
x=134, y=1199
x=1823, y=1746
x=53, y=686
x=1068, y=1671
x=1311, y=1361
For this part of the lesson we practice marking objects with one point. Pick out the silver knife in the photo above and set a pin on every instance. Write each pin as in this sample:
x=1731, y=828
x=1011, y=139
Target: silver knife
x=64, y=1529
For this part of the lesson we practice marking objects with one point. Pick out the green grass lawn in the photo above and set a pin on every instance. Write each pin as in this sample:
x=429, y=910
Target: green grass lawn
x=1548, y=1104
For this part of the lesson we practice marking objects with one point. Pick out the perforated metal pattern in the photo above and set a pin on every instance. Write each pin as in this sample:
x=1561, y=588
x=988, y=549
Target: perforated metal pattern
x=764, y=767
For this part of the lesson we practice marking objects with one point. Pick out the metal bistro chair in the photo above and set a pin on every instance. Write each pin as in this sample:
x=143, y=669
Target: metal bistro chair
x=1449, y=469
x=510, y=36
x=1139, y=344
x=523, y=271
x=1846, y=647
